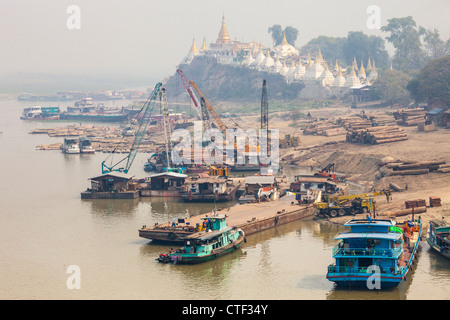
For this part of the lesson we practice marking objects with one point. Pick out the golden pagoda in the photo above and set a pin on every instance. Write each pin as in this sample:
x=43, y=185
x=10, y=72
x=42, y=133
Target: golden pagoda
x=204, y=48
x=193, y=47
x=223, y=37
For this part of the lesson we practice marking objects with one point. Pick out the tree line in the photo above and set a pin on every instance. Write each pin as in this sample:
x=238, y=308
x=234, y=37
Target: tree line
x=414, y=45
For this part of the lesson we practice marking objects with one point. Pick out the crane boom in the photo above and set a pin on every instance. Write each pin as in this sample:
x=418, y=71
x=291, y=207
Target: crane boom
x=187, y=87
x=222, y=127
x=146, y=111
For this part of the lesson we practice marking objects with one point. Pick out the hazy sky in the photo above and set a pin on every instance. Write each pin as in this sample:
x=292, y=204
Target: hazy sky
x=146, y=37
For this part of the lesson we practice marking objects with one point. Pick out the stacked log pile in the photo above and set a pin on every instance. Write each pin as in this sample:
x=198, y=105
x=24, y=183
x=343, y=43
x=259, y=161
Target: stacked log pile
x=414, y=168
x=417, y=203
x=410, y=117
x=376, y=135
x=435, y=202
x=103, y=138
x=326, y=128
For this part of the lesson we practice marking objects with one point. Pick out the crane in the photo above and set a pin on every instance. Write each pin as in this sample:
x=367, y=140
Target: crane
x=167, y=127
x=187, y=87
x=334, y=205
x=222, y=127
x=146, y=111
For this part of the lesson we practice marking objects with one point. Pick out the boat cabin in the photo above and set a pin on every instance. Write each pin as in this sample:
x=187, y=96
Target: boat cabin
x=206, y=185
x=165, y=184
x=304, y=183
x=254, y=183
x=112, y=185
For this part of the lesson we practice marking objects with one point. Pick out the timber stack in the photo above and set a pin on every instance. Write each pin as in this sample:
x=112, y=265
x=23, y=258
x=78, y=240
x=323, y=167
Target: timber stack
x=410, y=117
x=435, y=202
x=413, y=168
x=325, y=128
x=376, y=135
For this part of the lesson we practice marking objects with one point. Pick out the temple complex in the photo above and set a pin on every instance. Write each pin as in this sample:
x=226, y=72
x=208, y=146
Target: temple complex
x=285, y=59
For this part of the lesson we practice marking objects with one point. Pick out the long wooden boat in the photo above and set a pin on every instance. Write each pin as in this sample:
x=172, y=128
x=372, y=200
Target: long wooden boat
x=374, y=253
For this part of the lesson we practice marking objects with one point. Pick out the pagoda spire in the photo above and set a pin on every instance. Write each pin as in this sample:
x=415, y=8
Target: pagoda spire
x=223, y=36
x=193, y=47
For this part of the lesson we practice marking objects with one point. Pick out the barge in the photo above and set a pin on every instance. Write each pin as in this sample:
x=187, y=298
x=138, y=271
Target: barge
x=250, y=218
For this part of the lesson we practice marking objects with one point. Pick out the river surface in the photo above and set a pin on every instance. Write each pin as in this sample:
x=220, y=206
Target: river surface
x=46, y=230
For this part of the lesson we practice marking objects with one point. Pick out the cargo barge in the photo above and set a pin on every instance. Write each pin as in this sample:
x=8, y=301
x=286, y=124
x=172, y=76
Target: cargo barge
x=250, y=218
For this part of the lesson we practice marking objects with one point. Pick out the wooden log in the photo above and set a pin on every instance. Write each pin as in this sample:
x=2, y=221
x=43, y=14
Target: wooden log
x=395, y=187
x=419, y=165
x=405, y=212
x=409, y=172
x=391, y=140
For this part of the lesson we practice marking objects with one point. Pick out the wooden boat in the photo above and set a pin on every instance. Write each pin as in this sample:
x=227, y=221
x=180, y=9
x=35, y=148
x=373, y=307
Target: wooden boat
x=439, y=237
x=374, y=253
x=217, y=240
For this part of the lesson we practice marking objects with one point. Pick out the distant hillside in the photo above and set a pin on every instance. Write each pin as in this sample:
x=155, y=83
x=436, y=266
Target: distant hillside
x=219, y=82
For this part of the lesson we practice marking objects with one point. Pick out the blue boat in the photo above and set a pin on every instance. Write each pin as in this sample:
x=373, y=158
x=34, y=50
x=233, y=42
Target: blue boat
x=215, y=240
x=439, y=237
x=375, y=253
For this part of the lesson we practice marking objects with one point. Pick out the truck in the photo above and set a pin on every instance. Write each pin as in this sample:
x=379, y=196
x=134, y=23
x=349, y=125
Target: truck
x=340, y=205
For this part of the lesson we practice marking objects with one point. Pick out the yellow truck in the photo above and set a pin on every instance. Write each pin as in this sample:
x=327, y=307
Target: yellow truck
x=334, y=205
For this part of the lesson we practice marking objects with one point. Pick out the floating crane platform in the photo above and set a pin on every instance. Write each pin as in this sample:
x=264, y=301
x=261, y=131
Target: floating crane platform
x=250, y=218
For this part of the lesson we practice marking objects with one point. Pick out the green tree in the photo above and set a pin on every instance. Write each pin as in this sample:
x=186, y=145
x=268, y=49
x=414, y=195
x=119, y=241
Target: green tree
x=277, y=34
x=330, y=47
x=435, y=46
x=405, y=36
x=390, y=86
x=432, y=81
x=362, y=47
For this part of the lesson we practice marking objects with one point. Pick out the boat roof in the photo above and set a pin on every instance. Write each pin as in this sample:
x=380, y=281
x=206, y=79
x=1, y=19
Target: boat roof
x=114, y=174
x=371, y=235
x=260, y=180
x=169, y=174
x=204, y=235
x=363, y=222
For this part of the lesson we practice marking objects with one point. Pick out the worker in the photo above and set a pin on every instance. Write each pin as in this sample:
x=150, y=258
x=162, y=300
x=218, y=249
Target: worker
x=406, y=187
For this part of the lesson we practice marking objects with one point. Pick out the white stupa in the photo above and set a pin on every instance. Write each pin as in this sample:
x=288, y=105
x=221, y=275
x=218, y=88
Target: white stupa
x=339, y=81
x=284, y=69
x=276, y=66
x=267, y=63
x=285, y=49
x=326, y=77
x=314, y=72
x=259, y=59
x=299, y=71
x=352, y=79
x=291, y=72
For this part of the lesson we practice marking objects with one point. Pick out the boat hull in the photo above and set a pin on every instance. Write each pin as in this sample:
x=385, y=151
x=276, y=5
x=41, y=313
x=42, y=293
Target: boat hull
x=185, y=259
x=437, y=249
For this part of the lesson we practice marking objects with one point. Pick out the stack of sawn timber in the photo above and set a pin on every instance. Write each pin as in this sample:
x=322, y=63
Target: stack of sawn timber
x=414, y=168
x=435, y=202
x=325, y=128
x=377, y=135
x=410, y=117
